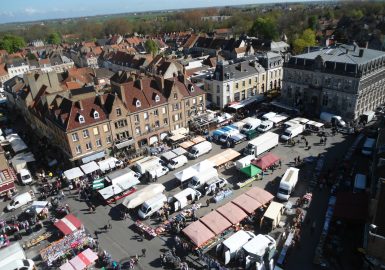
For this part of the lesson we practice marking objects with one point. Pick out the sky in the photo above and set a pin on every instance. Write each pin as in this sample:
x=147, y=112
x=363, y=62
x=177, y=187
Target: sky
x=31, y=10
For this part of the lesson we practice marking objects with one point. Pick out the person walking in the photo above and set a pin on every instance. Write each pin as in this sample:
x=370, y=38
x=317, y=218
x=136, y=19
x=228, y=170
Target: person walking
x=207, y=202
x=143, y=252
x=280, y=164
x=307, y=143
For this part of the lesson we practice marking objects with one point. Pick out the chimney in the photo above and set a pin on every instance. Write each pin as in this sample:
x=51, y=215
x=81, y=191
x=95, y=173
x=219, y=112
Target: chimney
x=361, y=53
x=101, y=100
x=160, y=82
x=79, y=104
x=122, y=94
x=138, y=83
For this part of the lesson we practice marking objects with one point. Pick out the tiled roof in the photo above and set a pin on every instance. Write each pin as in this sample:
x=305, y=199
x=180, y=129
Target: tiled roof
x=133, y=93
x=3, y=72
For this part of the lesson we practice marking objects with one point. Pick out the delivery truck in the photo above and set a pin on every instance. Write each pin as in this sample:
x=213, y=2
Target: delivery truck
x=152, y=205
x=268, y=116
x=199, y=180
x=244, y=162
x=292, y=132
x=230, y=248
x=251, y=123
x=261, y=144
x=333, y=119
x=121, y=175
x=239, y=125
x=20, y=200
x=288, y=182
x=259, y=252
x=265, y=126
x=200, y=149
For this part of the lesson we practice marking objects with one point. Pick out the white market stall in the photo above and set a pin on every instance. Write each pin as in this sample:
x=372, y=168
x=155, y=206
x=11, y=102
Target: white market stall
x=90, y=167
x=186, y=174
x=73, y=173
x=140, y=196
x=108, y=164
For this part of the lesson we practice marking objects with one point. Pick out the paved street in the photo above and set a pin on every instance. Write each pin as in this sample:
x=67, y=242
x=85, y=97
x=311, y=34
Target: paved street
x=122, y=241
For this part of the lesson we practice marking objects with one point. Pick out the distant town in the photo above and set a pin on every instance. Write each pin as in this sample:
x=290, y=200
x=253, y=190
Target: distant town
x=239, y=137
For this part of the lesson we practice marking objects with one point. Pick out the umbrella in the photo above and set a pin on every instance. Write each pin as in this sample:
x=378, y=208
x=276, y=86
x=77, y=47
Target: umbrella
x=251, y=170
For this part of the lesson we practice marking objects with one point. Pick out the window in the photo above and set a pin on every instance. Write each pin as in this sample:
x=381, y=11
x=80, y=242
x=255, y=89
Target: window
x=157, y=98
x=157, y=124
x=187, y=103
x=176, y=107
x=88, y=146
x=175, y=96
x=96, y=115
x=256, y=79
x=194, y=101
x=325, y=100
x=236, y=85
x=78, y=149
x=176, y=117
x=86, y=134
x=156, y=112
x=200, y=99
x=75, y=137
x=228, y=88
x=118, y=112
x=218, y=89
x=108, y=139
x=164, y=110
x=145, y=115
x=263, y=77
x=243, y=83
x=249, y=81
x=98, y=143
x=137, y=131
x=105, y=128
x=136, y=118
x=96, y=131
x=165, y=121
x=138, y=104
x=147, y=127
x=81, y=119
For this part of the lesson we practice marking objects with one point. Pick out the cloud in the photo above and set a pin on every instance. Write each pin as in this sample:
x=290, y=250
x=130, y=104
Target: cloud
x=32, y=11
x=7, y=14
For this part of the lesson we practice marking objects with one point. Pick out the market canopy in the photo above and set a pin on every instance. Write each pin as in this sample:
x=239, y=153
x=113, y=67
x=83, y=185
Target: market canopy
x=260, y=195
x=251, y=170
x=90, y=167
x=73, y=173
x=273, y=210
x=198, y=233
x=186, y=174
x=266, y=161
x=66, y=266
x=203, y=165
x=137, y=198
x=182, y=131
x=108, y=164
x=215, y=222
x=186, y=144
x=177, y=137
x=68, y=224
x=248, y=204
x=198, y=139
x=232, y=213
x=224, y=157
x=179, y=151
x=82, y=260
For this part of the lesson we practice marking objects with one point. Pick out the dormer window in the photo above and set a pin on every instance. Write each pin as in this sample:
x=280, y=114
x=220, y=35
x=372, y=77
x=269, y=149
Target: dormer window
x=81, y=119
x=157, y=98
x=138, y=103
x=96, y=115
x=191, y=88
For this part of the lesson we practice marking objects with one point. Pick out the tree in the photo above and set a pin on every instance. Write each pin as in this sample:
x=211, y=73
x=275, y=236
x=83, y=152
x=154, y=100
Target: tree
x=305, y=40
x=264, y=27
x=151, y=47
x=312, y=22
x=117, y=26
x=12, y=43
x=54, y=38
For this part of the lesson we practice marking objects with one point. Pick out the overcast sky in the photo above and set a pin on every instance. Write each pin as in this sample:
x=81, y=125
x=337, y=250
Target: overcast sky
x=29, y=10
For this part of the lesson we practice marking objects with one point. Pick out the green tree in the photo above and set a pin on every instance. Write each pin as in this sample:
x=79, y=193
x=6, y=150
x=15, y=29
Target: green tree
x=117, y=26
x=312, y=22
x=54, y=38
x=305, y=40
x=12, y=43
x=151, y=47
x=265, y=27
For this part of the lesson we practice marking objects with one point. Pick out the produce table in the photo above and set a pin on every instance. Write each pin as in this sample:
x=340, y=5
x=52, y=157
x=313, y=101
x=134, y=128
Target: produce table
x=145, y=228
x=37, y=240
x=222, y=194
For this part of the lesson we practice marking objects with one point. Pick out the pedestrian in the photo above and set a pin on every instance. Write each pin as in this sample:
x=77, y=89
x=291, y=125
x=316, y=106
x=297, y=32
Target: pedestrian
x=306, y=143
x=321, y=141
x=96, y=234
x=143, y=252
x=298, y=159
x=207, y=202
x=295, y=160
x=280, y=164
x=109, y=225
x=62, y=195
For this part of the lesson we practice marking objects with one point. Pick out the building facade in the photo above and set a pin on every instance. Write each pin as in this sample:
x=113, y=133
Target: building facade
x=345, y=80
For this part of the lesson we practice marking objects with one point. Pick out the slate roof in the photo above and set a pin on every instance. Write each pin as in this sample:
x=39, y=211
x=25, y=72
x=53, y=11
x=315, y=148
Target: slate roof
x=237, y=70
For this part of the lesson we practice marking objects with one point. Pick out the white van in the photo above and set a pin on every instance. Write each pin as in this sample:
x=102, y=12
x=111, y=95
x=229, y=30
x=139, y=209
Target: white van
x=292, y=132
x=214, y=184
x=231, y=247
x=21, y=200
x=199, y=180
x=152, y=205
x=19, y=265
x=359, y=183
x=368, y=147
x=177, y=162
x=200, y=149
x=287, y=184
x=25, y=176
x=184, y=198
x=265, y=126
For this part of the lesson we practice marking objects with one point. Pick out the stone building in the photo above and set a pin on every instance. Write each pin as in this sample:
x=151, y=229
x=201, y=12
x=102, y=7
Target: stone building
x=344, y=79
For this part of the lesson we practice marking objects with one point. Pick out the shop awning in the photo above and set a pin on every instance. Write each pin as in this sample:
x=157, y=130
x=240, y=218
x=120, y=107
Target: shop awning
x=77, y=263
x=198, y=233
x=182, y=131
x=232, y=213
x=251, y=170
x=198, y=139
x=186, y=174
x=73, y=173
x=224, y=157
x=124, y=143
x=186, y=144
x=351, y=206
x=89, y=167
x=266, y=161
x=95, y=156
x=84, y=259
x=215, y=222
x=248, y=204
x=177, y=137
x=68, y=224
x=179, y=151
x=260, y=195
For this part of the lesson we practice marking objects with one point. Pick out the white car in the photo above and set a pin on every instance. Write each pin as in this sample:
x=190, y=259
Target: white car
x=19, y=265
x=25, y=176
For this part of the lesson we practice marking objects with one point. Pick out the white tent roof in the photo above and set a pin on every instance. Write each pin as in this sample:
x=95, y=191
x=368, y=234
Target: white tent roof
x=169, y=155
x=203, y=165
x=186, y=174
x=179, y=151
x=107, y=164
x=181, y=196
x=89, y=167
x=273, y=210
x=73, y=173
x=109, y=191
x=39, y=206
x=182, y=131
x=16, y=142
x=257, y=245
x=128, y=183
x=238, y=239
x=140, y=196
